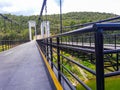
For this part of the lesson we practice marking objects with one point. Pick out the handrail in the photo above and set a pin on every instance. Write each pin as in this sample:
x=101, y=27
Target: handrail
x=10, y=20
x=7, y=44
x=91, y=42
x=107, y=26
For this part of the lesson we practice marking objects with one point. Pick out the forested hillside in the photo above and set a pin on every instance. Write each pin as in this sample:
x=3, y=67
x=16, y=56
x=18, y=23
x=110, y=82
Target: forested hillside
x=14, y=31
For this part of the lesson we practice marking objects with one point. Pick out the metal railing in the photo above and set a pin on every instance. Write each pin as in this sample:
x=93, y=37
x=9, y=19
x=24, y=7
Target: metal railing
x=97, y=44
x=8, y=38
x=7, y=44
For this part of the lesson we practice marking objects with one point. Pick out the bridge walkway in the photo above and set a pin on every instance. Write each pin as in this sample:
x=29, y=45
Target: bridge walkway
x=22, y=68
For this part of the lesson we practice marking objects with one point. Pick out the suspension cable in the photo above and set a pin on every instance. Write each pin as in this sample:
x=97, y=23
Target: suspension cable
x=46, y=10
x=41, y=12
x=60, y=16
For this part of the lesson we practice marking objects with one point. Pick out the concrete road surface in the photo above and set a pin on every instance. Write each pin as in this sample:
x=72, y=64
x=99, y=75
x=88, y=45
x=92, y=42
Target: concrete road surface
x=22, y=68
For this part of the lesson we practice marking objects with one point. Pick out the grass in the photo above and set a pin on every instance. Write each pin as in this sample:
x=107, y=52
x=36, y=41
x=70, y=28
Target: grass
x=110, y=84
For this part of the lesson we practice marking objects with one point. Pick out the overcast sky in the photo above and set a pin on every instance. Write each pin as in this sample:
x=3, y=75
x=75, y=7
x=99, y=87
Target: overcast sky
x=33, y=7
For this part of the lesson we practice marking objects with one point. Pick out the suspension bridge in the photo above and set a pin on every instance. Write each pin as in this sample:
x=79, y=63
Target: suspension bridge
x=42, y=64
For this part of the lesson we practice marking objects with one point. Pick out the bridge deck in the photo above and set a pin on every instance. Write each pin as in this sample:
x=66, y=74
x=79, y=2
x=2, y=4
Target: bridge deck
x=22, y=68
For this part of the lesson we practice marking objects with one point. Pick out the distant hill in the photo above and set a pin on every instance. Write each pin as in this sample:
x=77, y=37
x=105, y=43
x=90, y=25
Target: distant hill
x=84, y=17
x=69, y=19
x=73, y=18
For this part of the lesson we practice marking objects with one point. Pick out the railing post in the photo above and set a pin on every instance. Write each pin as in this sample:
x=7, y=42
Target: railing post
x=99, y=59
x=72, y=39
x=6, y=44
x=2, y=45
x=47, y=49
x=58, y=58
x=76, y=40
x=44, y=47
x=82, y=41
x=115, y=41
x=90, y=40
x=117, y=61
x=10, y=44
x=51, y=53
x=66, y=40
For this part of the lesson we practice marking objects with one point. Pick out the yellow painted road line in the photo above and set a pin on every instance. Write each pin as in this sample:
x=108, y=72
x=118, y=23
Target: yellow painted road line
x=54, y=78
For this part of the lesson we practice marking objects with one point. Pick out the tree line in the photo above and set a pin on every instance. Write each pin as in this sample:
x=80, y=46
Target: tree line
x=19, y=30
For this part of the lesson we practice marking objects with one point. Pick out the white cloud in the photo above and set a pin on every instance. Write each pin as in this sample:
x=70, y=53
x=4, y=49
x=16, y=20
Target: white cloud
x=31, y=7
x=22, y=7
x=52, y=7
x=108, y=6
